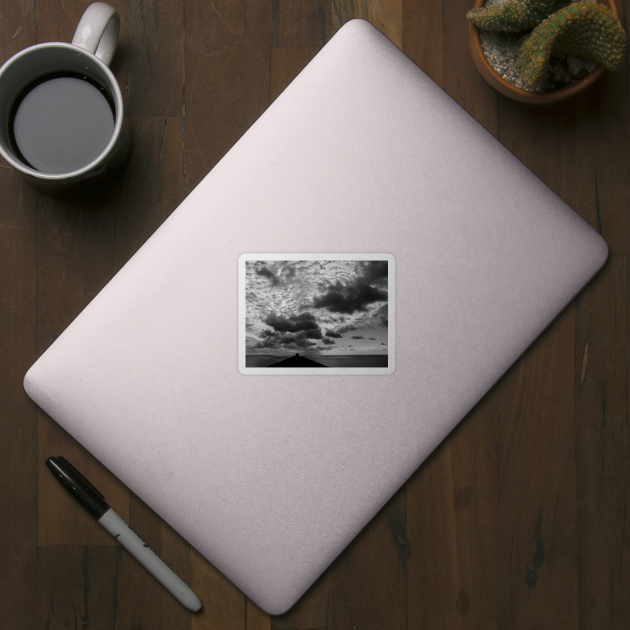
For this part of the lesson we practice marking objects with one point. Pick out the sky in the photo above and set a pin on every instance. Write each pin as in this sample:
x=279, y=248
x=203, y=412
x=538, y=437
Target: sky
x=316, y=307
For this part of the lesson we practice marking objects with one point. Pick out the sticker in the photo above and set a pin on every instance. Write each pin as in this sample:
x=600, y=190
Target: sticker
x=316, y=314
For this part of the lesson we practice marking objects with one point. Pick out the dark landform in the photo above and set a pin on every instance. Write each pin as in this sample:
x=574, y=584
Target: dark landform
x=296, y=362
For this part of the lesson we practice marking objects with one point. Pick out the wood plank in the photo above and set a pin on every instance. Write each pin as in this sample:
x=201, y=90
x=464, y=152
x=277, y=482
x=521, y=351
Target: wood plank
x=386, y=15
x=300, y=23
x=537, y=537
x=18, y=423
x=226, y=78
x=76, y=587
x=369, y=577
x=608, y=126
x=18, y=415
x=423, y=36
x=603, y=467
x=452, y=526
x=154, y=57
x=461, y=78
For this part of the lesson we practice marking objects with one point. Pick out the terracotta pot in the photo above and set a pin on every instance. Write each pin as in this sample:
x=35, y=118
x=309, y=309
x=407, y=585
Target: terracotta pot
x=518, y=94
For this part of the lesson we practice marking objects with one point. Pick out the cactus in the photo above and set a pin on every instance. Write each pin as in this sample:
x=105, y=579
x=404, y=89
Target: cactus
x=584, y=29
x=513, y=16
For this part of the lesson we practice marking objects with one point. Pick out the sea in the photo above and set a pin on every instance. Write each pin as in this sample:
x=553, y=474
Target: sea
x=332, y=361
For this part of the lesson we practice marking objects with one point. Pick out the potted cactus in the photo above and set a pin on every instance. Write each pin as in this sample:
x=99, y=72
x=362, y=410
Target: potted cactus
x=558, y=49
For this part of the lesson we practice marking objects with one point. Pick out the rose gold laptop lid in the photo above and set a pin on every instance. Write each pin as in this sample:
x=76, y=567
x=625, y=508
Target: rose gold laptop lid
x=365, y=214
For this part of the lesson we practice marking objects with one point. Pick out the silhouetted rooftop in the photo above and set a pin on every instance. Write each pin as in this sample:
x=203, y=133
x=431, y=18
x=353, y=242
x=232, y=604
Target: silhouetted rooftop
x=296, y=362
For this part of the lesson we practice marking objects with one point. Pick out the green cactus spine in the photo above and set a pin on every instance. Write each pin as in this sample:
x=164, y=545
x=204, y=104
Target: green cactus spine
x=584, y=29
x=513, y=16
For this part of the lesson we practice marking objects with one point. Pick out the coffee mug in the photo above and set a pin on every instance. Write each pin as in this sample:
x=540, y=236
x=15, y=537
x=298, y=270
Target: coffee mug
x=62, y=114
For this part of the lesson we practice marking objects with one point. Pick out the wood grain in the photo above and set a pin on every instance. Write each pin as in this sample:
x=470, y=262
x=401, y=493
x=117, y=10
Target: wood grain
x=18, y=416
x=452, y=515
x=537, y=511
x=300, y=23
x=76, y=587
x=461, y=79
x=602, y=380
x=422, y=36
x=154, y=57
x=369, y=577
x=226, y=78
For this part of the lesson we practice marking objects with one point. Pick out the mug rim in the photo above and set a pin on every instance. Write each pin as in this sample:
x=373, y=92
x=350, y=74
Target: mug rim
x=118, y=122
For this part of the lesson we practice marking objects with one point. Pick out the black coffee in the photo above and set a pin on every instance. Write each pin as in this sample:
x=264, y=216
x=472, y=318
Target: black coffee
x=61, y=123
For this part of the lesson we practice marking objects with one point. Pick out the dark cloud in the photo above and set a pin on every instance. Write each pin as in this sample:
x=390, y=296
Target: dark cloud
x=303, y=323
x=288, y=341
x=373, y=271
x=349, y=298
x=357, y=337
x=372, y=339
x=383, y=344
x=267, y=273
x=384, y=321
x=291, y=333
x=368, y=287
x=332, y=333
x=328, y=342
x=347, y=328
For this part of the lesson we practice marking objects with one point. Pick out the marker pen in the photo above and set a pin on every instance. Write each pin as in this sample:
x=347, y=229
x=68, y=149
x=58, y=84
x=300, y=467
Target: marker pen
x=94, y=502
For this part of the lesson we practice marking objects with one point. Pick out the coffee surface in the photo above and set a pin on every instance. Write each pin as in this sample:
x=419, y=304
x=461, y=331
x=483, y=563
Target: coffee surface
x=62, y=124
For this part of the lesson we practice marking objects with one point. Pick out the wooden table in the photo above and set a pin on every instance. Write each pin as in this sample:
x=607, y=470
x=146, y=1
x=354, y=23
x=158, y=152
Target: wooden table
x=518, y=520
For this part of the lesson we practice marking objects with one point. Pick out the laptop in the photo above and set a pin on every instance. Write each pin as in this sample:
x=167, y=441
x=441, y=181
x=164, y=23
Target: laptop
x=316, y=316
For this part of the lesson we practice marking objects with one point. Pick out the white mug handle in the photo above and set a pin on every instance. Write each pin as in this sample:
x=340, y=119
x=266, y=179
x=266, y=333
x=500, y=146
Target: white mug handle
x=98, y=31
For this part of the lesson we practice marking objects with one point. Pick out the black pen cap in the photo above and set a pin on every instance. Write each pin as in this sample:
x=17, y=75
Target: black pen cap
x=78, y=486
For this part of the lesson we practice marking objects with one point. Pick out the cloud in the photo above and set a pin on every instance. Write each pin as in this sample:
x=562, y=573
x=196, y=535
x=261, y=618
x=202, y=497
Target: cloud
x=357, y=337
x=329, y=342
x=332, y=333
x=288, y=341
x=384, y=321
x=383, y=344
x=372, y=339
x=267, y=273
x=290, y=333
x=347, y=328
x=373, y=271
x=349, y=298
x=303, y=323
x=368, y=287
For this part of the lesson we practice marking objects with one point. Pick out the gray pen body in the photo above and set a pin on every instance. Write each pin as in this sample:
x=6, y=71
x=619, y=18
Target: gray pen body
x=149, y=559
